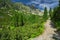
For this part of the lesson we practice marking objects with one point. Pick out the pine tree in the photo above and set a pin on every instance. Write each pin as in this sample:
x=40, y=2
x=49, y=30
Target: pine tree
x=45, y=16
x=56, y=12
x=22, y=20
x=15, y=18
x=56, y=16
x=50, y=13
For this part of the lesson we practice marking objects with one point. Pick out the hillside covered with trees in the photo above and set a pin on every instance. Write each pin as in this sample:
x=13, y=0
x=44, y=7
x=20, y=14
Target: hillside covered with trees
x=21, y=22
x=17, y=21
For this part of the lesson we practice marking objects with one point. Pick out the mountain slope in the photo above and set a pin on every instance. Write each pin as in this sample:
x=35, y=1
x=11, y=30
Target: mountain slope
x=41, y=4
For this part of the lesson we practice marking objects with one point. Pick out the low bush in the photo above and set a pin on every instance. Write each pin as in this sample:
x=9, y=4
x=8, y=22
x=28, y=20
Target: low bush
x=21, y=33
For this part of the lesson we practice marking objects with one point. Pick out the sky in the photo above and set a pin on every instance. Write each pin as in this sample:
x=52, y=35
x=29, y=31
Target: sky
x=40, y=4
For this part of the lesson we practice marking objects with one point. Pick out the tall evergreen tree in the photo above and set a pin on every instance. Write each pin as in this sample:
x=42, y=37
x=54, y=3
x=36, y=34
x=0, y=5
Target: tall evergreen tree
x=56, y=12
x=22, y=20
x=50, y=13
x=16, y=18
x=56, y=16
x=45, y=16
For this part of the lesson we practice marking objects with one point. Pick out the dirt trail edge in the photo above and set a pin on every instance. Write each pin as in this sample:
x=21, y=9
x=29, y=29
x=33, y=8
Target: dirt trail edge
x=48, y=33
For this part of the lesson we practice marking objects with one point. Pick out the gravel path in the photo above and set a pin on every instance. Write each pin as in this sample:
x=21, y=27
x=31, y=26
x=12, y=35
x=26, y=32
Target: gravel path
x=48, y=33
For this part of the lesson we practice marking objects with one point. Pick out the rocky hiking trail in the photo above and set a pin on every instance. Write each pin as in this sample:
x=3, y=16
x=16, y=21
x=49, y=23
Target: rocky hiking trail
x=48, y=33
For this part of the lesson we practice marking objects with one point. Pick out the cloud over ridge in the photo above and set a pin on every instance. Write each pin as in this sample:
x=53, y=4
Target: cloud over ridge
x=40, y=3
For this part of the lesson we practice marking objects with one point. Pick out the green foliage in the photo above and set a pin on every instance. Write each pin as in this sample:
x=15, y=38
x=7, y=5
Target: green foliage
x=56, y=17
x=18, y=24
x=45, y=16
x=50, y=13
x=5, y=3
x=28, y=26
x=21, y=33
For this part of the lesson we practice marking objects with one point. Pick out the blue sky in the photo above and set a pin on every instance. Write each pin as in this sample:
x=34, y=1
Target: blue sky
x=41, y=4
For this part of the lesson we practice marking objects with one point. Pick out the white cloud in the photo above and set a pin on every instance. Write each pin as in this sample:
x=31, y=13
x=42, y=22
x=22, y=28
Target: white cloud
x=54, y=4
x=47, y=3
x=35, y=2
